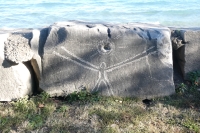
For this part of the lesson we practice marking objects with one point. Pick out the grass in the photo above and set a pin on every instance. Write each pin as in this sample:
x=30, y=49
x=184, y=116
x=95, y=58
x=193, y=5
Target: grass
x=85, y=112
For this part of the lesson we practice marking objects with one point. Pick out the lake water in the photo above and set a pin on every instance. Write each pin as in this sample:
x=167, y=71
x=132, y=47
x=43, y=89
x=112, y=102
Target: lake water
x=41, y=13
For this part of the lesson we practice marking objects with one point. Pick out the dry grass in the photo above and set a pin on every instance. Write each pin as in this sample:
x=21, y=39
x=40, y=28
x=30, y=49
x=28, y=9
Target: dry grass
x=178, y=113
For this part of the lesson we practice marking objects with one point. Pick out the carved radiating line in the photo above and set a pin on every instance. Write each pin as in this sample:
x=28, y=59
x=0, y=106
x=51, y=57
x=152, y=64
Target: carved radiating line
x=67, y=58
x=94, y=55
x=81, y=60
x=127, y=63
x=148, y=66
x=102, y=68
x=131, y=60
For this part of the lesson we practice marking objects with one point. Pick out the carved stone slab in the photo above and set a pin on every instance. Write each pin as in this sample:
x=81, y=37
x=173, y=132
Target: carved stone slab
x=120, y=60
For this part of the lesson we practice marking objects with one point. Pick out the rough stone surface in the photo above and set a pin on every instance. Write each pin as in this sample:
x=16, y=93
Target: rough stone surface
x=16, y=80
x=192, y=49
x=37, y=43
x=17, y=47
x=178, y=45
x=36, y=60
x=177, y=40
x=120, y=60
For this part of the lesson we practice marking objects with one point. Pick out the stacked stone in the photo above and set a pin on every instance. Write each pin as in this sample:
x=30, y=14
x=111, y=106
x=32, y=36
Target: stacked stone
x=126, y=60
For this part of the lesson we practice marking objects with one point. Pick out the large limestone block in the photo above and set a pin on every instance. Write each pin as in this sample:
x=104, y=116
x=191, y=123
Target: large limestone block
x=15, y=78
x=120, y=60
x=191, y=51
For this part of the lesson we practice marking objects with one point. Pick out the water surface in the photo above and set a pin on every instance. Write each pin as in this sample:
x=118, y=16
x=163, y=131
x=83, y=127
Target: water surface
x=40, y=13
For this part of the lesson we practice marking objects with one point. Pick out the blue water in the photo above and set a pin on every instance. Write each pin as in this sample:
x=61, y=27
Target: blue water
x=41, y=13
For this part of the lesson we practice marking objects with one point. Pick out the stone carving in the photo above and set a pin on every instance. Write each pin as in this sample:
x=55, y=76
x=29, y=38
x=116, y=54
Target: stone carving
x=119, y=60
x=103, y=69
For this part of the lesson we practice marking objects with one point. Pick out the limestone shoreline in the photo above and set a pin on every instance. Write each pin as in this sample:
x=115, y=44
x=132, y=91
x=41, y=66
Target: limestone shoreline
x=126, y=60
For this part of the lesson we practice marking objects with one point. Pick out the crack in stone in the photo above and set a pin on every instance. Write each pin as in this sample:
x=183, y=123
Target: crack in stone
x=90, y=26
x=109, y=32
x=148, y=34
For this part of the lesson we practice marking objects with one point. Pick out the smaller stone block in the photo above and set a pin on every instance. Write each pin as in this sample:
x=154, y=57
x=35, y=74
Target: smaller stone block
x=16, y=79
x=17, y=47
x=192, y=50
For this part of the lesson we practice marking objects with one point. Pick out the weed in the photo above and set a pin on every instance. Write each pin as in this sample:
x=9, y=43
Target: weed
x=63, y=108
x=57, y=128
x=36, y=121
x=26, y=109
x=130, y=99
x=112, y=111
x=24, y=105
x=192, y=88
x=4, y=121
x=109, y=130
x=193, y=76
x=82, y=96
x=185, y=121
x=191, y=125
x=43, y=97
x=182, y=88
x=176, y=113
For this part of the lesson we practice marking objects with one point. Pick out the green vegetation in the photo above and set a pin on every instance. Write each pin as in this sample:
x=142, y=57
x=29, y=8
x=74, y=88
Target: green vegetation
x=87, y=112
x=33, y=111
x=194, y=79
x=82, y=96
x=193, y=76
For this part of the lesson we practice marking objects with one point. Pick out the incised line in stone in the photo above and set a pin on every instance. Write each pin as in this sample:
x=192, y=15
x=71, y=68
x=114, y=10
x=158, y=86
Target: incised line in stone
x=102, y=68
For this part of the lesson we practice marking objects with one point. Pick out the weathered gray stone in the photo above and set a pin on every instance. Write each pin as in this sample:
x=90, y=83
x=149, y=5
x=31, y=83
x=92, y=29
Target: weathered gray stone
x=36, y=60
x=178, y=45
x=191, y=50
x=120, y=60
x=17, y=47
x=37, y=43
x=177, y=40
x=16, y=80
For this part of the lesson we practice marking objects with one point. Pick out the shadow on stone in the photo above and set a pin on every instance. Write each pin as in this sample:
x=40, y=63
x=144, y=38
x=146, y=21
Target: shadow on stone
x=35, y=84
x=42, y=41
x=8, y=64
x=179, y=64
